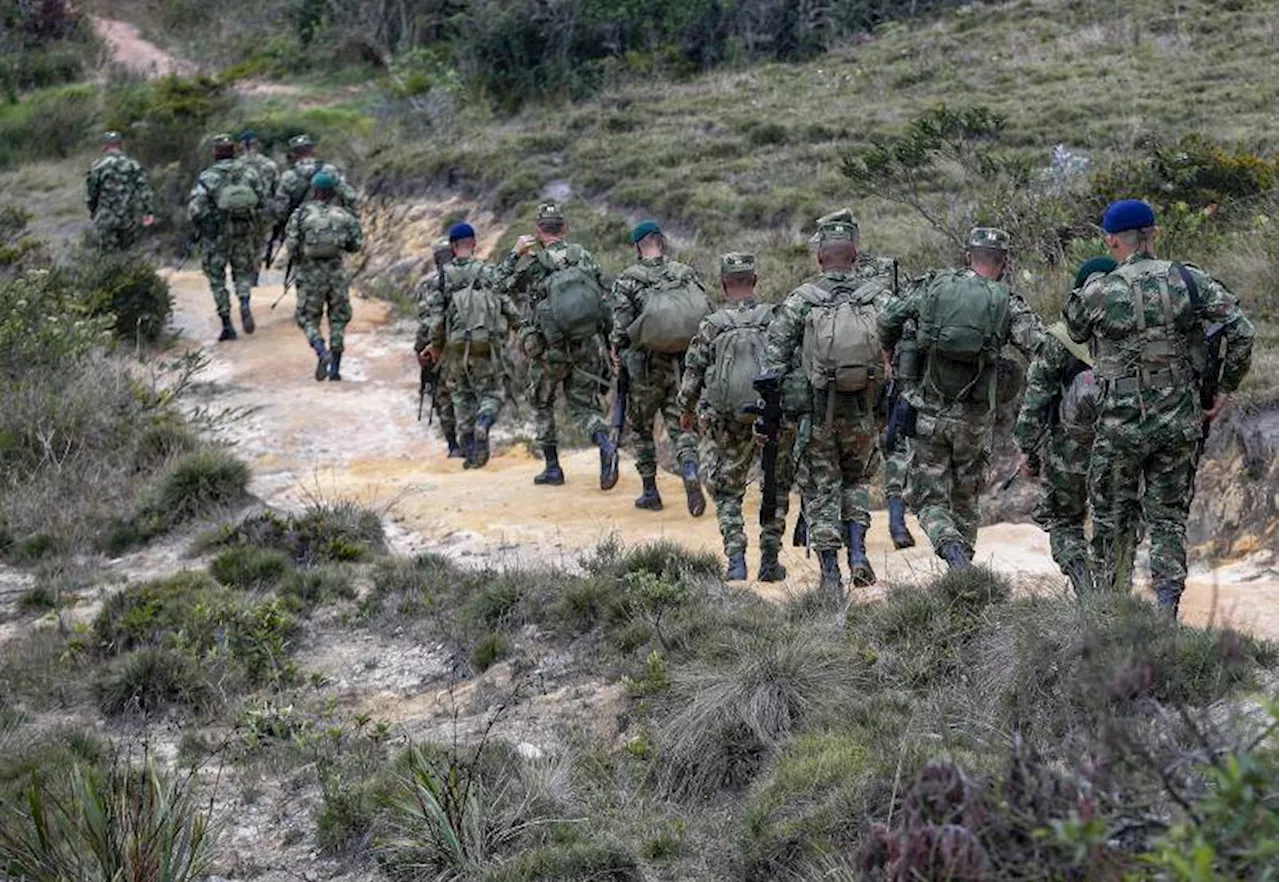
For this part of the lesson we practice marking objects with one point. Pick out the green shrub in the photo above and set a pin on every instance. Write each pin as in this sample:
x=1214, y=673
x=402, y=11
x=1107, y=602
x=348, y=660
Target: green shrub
x=316, y=586
x=44, y=324
x=250, y=568
x=50, y=123
x=127, y=288
x=495, y=602
x=415, y=585
x=59, y=748
x=573, y=862
x=660, y=558
x=324, y=532
x=151, y=679
x=196, y=485
x=491, y=649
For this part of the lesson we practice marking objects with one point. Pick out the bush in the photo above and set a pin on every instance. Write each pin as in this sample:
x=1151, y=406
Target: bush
x=44, y=324
x=197, y=485
x=150, y=613
x=660, y=558
x=59, y=748
x=573, y=862
x=250, y=568
x=491, y=649
x=152, y=679
x=126, y=288
x=316, y=586
x=50, y=123
x=324, y=532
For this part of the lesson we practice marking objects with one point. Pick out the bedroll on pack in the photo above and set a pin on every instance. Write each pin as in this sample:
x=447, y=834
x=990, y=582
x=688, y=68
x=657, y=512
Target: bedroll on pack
x=675, y=307
x=475, y=320
x=574, y=306
x=322, y=235
x=739, y=358
x=841, y=346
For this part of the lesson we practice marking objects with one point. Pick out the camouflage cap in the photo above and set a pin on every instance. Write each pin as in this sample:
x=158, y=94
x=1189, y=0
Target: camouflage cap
x=836, y=225
x=989, y=237
x=442, y=244
x=112, y=137
x=298, y=141
x=222, y=139
x=550, y=211
x=737, y=263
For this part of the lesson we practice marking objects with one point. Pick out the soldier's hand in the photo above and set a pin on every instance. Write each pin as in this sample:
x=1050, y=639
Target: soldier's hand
x=1219, y=405
x=148, y=220
x=1027, y=467
x=689, y=421
x=525, y=244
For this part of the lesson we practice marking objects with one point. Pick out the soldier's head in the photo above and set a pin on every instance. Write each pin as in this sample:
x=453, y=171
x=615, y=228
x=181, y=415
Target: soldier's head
x=1129, y=226
x=249, y=141
x=648, y=239
x=987, y=253
x=323, y=183
x=462, y=239
x=1092, y=267
x=837, y=241
x=550, y=225
x=223, y=147
x=738, y=275
x=442, y=251
x=112, y=141
x=301, y=146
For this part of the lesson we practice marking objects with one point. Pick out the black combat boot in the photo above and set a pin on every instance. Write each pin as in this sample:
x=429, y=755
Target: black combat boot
x=954, y=554
x=608, y=460
x=1081, y=578
x=228, y=332
x=551, y=475
x=898, y=531
x=451, y=438
x=1167, y=596
x=771, y=569
x=800, y=536
x=246, y=316
x=737, y=570
x=322, y=359
x=829, y=585
x=649, y=498
x=478, y=456
x=860, y=573
x=693, y=489
x=335, y=365
x=467, y=443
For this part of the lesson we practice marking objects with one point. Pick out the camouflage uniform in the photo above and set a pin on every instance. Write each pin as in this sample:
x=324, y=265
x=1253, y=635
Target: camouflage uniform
x=322, y=281
x=1150, y=421
x=269, y=173
x=295, y=186
x=118, y=194
x=225, y=240
x=952, y=441
x=442, y=393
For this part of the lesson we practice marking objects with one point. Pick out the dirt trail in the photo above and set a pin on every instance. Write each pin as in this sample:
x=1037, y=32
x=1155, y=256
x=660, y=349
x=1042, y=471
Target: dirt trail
x=138, y=55
x=360, y=439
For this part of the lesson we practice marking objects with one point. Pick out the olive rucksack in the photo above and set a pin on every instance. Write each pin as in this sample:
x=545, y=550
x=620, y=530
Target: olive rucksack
x=963, y=325
x=475, y=319
x=738, y=358
x=574, y=307
x=323, y=232
x=235, y=196
x=841, y=347
x=674, y=307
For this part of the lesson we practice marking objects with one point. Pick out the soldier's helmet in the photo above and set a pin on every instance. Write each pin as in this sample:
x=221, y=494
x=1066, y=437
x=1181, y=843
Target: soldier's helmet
x=836, y=225
x=738, y=263
x=993, y=238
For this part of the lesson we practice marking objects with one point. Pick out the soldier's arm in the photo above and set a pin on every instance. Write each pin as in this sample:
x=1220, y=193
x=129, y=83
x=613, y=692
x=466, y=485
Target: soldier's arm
x=1044, y=380
x=624, y=308
x=1219, y=306
x=145, y=195
x=293, y=235
x=355, y=240
x=897, y=312
x=91, y=189
x=1077, y=312
x=784, y=334
x=197, y=203
x=1025, y=331
x=696, y=361
x=489, y=274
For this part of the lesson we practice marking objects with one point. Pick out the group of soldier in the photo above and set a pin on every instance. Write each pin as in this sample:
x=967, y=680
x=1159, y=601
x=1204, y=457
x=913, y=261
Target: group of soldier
x=851, y=371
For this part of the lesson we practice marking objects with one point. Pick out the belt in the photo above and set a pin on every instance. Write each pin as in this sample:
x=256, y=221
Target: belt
x=1147, y=380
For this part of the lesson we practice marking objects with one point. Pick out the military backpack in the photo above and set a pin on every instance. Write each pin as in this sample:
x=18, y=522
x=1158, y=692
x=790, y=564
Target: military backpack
x=841, y=350
x=235, y=197
x=324, y=234
x=475, y=320
x=737, y=359
x=675, y=305
x=962, y=328
x=574, y=307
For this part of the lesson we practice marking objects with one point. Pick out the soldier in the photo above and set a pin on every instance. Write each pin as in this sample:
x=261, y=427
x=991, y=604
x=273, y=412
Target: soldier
x=118, y=193
x=441, y=395
x=724, y=358
x=469, y=320
x=564, y=287
x=658, y=305
x=822, y=346
x=963, y=320
x=317, y=236
x=225, y=207
x=269, y=173
x=1146, y=324
x=297, y=184
x=1055, y=434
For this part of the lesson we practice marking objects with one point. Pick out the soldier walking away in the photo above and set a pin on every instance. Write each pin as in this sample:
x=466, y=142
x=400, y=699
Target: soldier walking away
x=269, y=173
x=317, y=236
x=563, y=287
x=441, y=396
x=658, y=305
x=225, y=208
x=468, y=321
x=963, y=319
x=1054, y=431
x=720, y=367
x=823, y=344
x=1150, y=324
x=297, y=186
x=118, y=194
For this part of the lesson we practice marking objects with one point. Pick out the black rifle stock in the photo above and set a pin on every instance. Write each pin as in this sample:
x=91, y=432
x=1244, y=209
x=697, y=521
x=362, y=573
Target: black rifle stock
x=768, y=416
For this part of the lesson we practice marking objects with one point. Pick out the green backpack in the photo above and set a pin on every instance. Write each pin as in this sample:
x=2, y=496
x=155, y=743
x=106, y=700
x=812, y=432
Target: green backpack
x=841, y=348
x=963, y=325
x=236, y=198
x=574, y=307
x=323, y=233
x=738, y=358
x=475, y=319
x=674, y=307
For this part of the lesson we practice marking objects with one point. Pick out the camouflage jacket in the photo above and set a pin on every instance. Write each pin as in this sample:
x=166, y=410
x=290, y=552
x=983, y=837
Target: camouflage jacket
x=320, y=213
x=202, y=209
x=1051, y=370
x=631, y=290
x=1149, y=360
x=268, y=171
x=786, y=333
x=700, y=357
x=437, y=299
x=295, y=188
x=524, y=278
x=117, y=190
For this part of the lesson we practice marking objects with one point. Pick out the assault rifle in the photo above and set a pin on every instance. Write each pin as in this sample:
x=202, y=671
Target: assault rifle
x=1212, y=374
x=188, y=249
x=428, y=378
x=275, y=243
x=290, y=276
x=1040, y=439
x=768, y=416
x=618, y=416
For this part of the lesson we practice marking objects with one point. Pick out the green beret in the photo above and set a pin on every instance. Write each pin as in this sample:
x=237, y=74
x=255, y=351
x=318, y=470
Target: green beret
x=836, y=225
x=989, y=237
x=645, y=228
x=550, y=211
x=112, y=137
x=1092, y=267
x=298, y=141
x=323, y=181
x=737, y=263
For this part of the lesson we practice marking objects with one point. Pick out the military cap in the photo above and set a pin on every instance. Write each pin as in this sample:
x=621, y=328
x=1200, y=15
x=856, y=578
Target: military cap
x=441, y=244
x=462, y=230
x=645, y=228
x=737, y=263
x=301, y=141
x=550, y=211
x=248, y=135
x=112, y=137
x=1128, y=214
x=222, y=139
x=836, y=225
x=989, y=237
x=323, y=181
x=1091, y=267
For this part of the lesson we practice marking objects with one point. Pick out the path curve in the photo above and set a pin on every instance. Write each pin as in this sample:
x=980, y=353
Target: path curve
x=132, y=51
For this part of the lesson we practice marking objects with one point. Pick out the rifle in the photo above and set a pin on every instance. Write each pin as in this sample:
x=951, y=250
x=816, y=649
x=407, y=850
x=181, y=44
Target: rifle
x=769, y=424
x=618, y=416
x=428, y=379
x=1214, y=337
x=289, y=278
x=1040, y=439
x=276, y=242
x=188, y=250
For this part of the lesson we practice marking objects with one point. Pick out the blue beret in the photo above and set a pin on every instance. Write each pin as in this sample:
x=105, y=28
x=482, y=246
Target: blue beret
x=1128, y=214
x=248, y=135
x=644, y=228
x=463, y=230
x=1092, y=266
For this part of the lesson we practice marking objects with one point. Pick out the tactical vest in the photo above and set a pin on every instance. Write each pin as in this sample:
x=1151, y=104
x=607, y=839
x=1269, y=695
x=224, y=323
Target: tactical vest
x=1166, y=356
x=737, y=359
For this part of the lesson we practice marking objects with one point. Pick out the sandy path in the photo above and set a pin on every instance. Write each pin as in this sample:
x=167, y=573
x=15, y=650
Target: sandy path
x=138, y=55
x=360, y=439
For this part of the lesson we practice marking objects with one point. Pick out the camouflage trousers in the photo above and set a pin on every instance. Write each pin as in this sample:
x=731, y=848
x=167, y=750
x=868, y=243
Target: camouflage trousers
x=834, y=470
x=655, y=385
x=948, y=469
x=322, y=289
x=476, y=388
x=240, y=252
x=111, y=237
x=1135, y=479
x=733, y=452
x=896, y=463
x=442, y=403
x=574, y=367
x=1062, y=505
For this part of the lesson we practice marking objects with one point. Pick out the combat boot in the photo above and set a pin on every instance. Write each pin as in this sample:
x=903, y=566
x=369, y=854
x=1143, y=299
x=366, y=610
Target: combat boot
x=228, y=332
x=246, y=316
x=898, y=531
x=608, y=460
x=335, y=365
x=322, y=359
x=551, y=474
x=649, y=498
x=860, y=573
x=1167, y=596
x=829, y=585
x=771, y=569
x=478, y=456
x=954, y=554
x=737, y=570
x=451, y=438
x=800, y=536
x=1081, y=578
x=693, y=489
x=468, y=444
